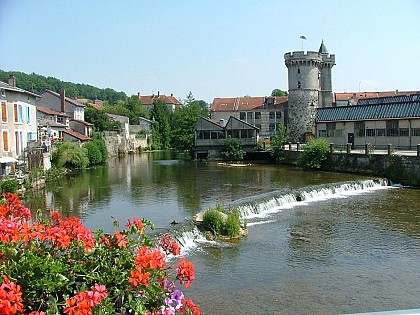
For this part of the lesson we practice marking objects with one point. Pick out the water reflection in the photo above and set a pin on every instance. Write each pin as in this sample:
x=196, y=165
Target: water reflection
x=353, y=254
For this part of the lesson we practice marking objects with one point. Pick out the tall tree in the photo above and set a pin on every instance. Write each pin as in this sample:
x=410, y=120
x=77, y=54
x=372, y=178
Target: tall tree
x=100, y=120
x=278, y=92
x=161, y=115
x=131, y=107
x=183, y=124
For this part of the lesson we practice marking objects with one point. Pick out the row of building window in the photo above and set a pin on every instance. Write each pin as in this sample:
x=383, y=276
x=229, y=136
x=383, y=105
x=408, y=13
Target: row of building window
x=250, y=115
x=214, y=135
x=379, y=132
x=31, y=136
x=22, y=114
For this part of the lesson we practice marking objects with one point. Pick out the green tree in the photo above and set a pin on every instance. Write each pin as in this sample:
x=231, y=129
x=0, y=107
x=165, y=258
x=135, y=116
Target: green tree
x=70, y=156
x=190, y=98
x=278, y=92
x=131, y=108
x=100, y=120
x=38, y=84
x=183, y=125
x=315, y=154
x=232, y=149
x=278, y=141
x=96, y=151
x=162, y=128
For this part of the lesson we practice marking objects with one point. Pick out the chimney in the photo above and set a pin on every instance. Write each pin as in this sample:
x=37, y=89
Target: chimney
x=172, y=94
x=63, y=100
x=12, y=80
x=138, y=95
x=158, y=93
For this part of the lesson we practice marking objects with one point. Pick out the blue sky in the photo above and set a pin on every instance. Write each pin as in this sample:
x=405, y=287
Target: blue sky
x=213, y=48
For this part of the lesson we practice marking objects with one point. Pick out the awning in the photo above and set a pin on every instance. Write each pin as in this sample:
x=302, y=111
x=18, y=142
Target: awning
x=7, y=159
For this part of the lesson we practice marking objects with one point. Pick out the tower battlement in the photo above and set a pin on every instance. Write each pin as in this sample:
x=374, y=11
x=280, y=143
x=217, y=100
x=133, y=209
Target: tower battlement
x=310, y=86
x=302, y=55
x=328, y=58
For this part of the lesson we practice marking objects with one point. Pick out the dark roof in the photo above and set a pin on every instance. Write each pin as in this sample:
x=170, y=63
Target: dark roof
x=388, y=100
x=6, y=86
x=323, y=48
x=51, y=123
x=357, y=97
x=68, y=99
x=240, y=122
x=369, y=112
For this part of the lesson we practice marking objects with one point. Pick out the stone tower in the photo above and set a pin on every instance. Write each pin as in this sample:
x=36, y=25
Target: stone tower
x=310, y=87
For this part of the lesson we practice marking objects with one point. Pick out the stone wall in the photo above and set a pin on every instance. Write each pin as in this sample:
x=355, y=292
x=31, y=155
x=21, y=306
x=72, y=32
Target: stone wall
x=398, y=168
x=117, y=145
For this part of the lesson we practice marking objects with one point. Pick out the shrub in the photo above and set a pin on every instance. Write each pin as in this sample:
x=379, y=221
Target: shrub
x=278, y=141
x=233, y=224
x=232, y=149
x=93, y=152
x=96, y=151
x=70, y=156
x=54, y=173
x=314, y=154
x=9, y=186
x=221, y=224
x=213, y=221
x=53, y=265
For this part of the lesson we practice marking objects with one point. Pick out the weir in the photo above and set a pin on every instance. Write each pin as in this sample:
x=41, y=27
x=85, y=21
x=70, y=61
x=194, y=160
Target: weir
x=252, y=209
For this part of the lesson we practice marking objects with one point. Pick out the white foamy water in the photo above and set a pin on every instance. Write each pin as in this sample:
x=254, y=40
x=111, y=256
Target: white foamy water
x=194, y=240
x=260, y=222
x=191, y=240
x=289, y=201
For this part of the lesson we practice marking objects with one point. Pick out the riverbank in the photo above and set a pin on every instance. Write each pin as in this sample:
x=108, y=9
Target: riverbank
x=402, y=169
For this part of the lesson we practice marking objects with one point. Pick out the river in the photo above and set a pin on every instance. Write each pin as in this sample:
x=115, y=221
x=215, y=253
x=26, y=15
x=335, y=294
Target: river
x=351, y=245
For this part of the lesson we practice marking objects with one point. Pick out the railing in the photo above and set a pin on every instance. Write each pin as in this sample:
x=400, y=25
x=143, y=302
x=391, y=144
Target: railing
x=219, y=142
x=367, y=149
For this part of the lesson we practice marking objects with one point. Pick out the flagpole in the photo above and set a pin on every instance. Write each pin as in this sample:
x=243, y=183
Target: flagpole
x=301, y=39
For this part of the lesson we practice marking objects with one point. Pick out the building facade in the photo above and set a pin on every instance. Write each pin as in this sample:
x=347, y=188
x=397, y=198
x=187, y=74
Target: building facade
x=265, y=113
x=379, y=121
x=209, y=136
x=310, y=87
x=18, y=120
x=148, y=101
x=60, y=103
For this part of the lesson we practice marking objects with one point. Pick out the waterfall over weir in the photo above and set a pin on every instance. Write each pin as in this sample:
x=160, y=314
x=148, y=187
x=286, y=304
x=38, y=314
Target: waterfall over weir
x=275, y=202
x=255, y=210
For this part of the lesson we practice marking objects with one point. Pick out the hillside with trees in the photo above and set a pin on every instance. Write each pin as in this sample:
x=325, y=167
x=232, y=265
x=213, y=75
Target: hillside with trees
x=38, y=84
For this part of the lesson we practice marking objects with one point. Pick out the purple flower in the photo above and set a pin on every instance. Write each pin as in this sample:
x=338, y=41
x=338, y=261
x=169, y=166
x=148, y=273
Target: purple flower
x=175, y=302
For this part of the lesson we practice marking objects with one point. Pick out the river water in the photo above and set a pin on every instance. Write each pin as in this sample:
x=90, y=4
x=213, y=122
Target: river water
x=351, y=245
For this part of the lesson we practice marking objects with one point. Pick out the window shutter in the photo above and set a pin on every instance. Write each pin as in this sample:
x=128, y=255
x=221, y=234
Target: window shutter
x=5, y=141
x=15, y=110
x=3, y=112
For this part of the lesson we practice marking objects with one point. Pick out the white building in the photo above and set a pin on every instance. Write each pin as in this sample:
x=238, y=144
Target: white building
x=17, y=119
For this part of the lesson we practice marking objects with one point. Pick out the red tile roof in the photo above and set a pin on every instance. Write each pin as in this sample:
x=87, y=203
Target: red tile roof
x=246, y=103
x=364, y=95
x=48, y=111
x=83, y=122
x=148, y=99
x=77, y=135
x=97, y=106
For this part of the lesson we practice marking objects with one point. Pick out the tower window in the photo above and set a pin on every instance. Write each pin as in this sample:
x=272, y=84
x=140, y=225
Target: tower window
x=298, y=84
x=298, y=70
